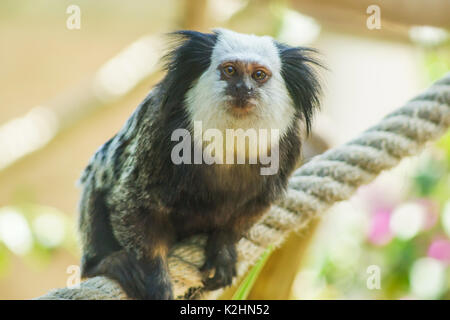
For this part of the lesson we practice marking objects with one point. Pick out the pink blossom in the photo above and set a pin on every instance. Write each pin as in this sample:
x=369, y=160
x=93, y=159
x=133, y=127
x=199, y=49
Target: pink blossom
x=440, y=250
x=379, y=233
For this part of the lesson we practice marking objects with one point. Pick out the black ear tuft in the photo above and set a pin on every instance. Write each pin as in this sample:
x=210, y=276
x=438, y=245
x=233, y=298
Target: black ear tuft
x=189, y=57
x=191, y=49
x=301, y=80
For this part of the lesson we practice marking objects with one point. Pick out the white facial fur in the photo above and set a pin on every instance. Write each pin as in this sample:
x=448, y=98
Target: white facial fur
x=207, y=100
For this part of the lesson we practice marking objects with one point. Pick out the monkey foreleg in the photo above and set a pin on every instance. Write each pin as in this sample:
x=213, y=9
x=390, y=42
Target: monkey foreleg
x=220, y=256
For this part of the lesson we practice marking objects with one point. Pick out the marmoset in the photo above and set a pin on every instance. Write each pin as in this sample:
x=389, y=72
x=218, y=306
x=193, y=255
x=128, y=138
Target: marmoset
x=152, y=184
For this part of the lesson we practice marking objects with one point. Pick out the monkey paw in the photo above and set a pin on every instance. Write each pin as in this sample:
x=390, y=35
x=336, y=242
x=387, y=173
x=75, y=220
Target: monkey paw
x=224, y=266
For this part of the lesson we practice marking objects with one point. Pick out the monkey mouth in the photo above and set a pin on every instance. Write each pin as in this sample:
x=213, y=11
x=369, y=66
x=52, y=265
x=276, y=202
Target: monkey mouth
x=241, y=108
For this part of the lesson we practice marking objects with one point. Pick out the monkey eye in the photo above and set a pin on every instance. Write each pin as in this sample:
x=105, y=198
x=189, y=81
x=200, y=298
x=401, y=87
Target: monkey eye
x=229, y=70
x=259, y=75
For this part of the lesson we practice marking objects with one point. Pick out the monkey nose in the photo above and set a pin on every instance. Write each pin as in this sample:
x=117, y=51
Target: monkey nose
x=243, y=90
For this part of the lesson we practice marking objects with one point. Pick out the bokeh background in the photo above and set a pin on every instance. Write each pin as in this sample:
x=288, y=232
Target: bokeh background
x=64, y=92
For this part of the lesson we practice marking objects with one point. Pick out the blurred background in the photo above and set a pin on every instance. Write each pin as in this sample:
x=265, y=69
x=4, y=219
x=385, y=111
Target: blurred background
x=71, y=72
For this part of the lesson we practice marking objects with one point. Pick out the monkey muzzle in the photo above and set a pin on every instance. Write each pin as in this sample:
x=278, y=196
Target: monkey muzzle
x=242, y=98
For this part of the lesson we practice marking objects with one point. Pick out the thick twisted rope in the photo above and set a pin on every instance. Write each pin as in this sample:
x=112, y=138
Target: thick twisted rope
x=326, y=179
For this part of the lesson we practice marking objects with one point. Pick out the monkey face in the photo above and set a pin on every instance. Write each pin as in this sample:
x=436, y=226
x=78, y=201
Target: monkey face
x=243, y=86
x=249, y=82
x=243, y=82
